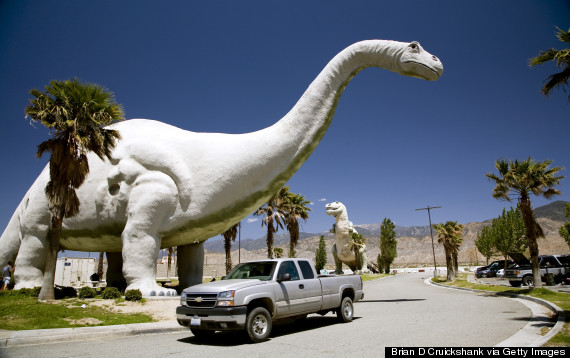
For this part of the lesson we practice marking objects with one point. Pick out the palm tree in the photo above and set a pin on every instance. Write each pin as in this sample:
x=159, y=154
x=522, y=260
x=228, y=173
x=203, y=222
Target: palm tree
x=565, y=229
x=75, y=114
x=274, y=214
x=562, y=58
x=171, y=254
x=519, y=180
x=229, y=236
x=295, y=207
x=450, y=235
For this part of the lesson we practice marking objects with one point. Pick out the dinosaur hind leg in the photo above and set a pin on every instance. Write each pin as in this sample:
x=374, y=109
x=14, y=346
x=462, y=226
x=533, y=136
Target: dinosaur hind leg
x=151, y=202
x=337, y=262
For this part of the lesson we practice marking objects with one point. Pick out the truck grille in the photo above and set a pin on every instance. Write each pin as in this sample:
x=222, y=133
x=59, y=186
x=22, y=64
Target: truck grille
x=201, y=300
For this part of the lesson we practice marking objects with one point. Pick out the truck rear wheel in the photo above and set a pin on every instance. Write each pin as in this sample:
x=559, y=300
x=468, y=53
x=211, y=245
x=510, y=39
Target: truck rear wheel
x=258, y=324
x=528, y=281
x=345, y=311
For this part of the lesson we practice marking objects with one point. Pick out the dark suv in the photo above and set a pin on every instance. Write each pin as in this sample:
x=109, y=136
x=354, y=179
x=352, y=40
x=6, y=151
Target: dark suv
x=491, y=269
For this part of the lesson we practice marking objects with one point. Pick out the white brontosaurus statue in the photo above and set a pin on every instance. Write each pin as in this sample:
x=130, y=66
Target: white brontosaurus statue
x=341, y=249
x=167, y=187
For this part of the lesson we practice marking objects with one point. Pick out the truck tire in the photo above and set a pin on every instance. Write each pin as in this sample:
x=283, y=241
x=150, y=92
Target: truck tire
x=515, y=283
x=258, y=324
x=345, y=311
x=528, y=281
x=202, y=333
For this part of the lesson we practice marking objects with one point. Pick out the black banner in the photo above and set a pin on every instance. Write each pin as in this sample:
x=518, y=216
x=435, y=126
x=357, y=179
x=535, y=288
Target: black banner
x=500, y=352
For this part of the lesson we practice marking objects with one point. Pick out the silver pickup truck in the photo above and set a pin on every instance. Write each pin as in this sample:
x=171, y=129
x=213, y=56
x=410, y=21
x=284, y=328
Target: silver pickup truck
x=256, y=293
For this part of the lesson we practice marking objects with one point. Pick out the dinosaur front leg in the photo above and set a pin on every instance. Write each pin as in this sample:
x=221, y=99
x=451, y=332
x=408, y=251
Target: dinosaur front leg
x=151, y=202
x=31, y=260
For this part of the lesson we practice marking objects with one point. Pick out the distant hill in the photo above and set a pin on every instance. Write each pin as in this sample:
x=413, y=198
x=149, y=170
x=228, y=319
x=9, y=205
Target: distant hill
x=554, y=212
x=253, y=244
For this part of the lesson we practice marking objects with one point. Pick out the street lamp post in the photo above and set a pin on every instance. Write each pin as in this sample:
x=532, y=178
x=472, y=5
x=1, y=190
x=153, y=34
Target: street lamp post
x=431, y=234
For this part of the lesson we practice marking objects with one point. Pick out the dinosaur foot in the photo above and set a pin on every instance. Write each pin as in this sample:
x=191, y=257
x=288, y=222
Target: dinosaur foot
x=151, y=289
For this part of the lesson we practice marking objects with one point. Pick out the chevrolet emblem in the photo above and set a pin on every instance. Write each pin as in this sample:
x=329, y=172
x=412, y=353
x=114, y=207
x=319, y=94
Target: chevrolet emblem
x=198, y=299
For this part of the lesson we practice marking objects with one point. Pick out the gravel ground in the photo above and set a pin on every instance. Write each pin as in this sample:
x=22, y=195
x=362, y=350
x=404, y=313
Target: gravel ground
x=161, y=309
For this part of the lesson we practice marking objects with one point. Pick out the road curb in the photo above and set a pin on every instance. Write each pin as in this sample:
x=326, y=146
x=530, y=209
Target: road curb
x=57, y=335
x=561, y=317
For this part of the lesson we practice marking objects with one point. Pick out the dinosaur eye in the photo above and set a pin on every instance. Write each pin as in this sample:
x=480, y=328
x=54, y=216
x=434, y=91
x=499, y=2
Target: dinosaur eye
x=414, y=46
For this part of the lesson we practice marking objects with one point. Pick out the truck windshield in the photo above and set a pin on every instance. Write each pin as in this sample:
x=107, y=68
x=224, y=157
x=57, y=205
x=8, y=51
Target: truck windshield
x=253, y=270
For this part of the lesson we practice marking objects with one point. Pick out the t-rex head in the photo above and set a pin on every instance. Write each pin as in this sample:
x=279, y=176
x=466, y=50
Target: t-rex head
x=417, y=62
x=335, y=209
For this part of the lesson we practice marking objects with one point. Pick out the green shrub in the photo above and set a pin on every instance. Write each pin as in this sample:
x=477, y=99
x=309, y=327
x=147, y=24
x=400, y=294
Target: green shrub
x=87, y=292
x=133, y=295
x=61, y=292
x=110, y=293
x=36, y=291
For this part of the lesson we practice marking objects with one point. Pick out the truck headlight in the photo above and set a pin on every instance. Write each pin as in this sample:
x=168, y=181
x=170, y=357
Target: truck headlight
x=226, y=298
x=183, y=298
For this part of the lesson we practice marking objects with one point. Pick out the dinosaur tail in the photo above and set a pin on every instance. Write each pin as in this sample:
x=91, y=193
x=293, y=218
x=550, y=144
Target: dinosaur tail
x=11, y=239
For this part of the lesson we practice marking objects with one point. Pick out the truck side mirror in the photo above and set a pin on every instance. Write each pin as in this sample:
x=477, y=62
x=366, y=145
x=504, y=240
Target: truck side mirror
x=284, y=277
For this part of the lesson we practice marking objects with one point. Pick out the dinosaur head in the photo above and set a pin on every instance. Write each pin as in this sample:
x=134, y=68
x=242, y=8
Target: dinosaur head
x=335, y=209
x=414, y=61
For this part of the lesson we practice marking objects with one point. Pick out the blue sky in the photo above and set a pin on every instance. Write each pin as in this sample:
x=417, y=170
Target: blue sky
x=396, y=144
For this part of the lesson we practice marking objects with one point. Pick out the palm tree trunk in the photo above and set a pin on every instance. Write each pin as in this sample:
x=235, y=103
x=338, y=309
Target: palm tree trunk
x=533, y=232
x=449, y=264
x=269, y=240
x=100, y=265
x=169, y=261
x=47, y=291
x=227, y=247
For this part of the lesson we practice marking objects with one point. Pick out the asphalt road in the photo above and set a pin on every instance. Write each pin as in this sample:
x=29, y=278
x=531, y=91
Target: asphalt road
x=398, y=311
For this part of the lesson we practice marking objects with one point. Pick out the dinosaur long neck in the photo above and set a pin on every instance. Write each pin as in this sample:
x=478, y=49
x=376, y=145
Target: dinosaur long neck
x=300, y=131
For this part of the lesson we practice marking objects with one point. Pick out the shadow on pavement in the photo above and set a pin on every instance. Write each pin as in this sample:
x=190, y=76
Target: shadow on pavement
x=280, y=328
x=396, y=300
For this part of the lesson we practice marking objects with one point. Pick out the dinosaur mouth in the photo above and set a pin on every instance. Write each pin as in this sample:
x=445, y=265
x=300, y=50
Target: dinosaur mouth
x=426, y=66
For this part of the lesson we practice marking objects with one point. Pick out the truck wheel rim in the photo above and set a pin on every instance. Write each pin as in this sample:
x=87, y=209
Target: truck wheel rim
x=259, y=325
x=347, y=310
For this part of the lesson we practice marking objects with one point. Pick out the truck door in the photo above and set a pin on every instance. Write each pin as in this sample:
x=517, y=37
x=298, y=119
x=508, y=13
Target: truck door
x=289, y=293
x=312, y=291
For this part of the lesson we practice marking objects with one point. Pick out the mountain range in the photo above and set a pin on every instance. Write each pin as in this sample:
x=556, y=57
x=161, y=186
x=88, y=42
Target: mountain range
x=553, y=211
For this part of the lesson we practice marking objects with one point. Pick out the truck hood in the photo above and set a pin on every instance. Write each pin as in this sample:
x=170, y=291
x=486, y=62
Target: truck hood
x=224, y=285
x=519, y=259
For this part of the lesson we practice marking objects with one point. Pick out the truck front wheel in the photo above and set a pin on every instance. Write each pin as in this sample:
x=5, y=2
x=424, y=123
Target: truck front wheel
x=345, y=311
x=258, y=324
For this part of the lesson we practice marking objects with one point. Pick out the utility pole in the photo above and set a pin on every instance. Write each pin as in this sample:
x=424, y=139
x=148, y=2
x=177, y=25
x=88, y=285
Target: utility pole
x=431, y=234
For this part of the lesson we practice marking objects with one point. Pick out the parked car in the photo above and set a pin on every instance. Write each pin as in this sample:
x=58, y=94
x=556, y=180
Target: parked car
x=557, y=265
x=491, y=269
x=256, y=293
